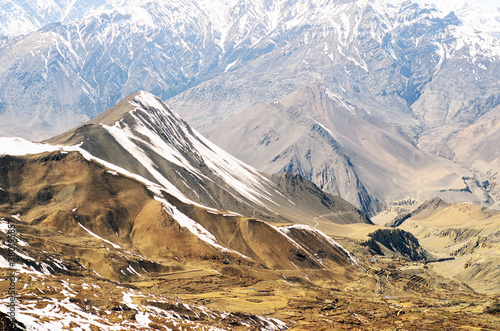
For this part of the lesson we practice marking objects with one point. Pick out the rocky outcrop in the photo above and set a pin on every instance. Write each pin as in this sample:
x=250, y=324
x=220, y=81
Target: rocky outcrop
x=398, y=242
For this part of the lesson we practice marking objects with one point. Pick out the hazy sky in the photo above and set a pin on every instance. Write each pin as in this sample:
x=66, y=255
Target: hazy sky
x=489, y=3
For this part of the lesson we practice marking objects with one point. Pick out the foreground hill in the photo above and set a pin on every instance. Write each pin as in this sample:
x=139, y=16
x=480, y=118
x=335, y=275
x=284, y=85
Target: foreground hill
x=68, y=196
x=99, y=248
x=81, y=218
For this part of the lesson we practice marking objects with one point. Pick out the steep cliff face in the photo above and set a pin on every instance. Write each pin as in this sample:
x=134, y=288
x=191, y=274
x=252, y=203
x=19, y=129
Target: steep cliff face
x=312, y=198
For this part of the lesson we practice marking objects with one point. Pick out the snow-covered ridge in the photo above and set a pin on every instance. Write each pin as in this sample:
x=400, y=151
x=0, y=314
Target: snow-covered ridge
x=232, y=18
x=158, y=121
x=18, y=147
x=207, y=29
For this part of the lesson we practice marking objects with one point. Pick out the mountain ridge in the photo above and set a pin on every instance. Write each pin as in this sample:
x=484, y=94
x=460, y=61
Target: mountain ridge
x=142, y=135
x=334, y=144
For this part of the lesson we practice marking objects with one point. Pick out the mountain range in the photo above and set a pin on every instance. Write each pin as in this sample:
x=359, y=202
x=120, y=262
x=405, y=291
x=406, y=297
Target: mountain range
x=418, y=81
x=261, y=165
x=135, y=220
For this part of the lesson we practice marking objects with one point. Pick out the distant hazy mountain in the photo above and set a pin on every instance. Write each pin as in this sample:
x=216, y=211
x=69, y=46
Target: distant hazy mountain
x=323, y=137
x=418, y=75
x=421, y=74
x=23, y=17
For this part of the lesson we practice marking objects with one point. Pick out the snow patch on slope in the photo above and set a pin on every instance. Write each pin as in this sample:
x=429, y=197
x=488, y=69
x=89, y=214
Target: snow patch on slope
x=96, y=236
x=124, y=137
x=19, y=146
x=195, y=227
x=316, y=232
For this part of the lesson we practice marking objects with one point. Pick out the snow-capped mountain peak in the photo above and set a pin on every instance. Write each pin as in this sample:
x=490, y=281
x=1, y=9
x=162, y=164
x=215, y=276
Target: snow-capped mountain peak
x=147, y=129
x=473, y=15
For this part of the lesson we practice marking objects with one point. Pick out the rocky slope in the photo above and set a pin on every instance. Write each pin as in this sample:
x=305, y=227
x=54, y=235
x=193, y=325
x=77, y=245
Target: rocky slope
x=326, y=139
x=399, y=242
x=80, y=220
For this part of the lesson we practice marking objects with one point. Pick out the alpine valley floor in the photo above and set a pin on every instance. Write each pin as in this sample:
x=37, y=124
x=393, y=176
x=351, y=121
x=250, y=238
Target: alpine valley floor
x=208, y=296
